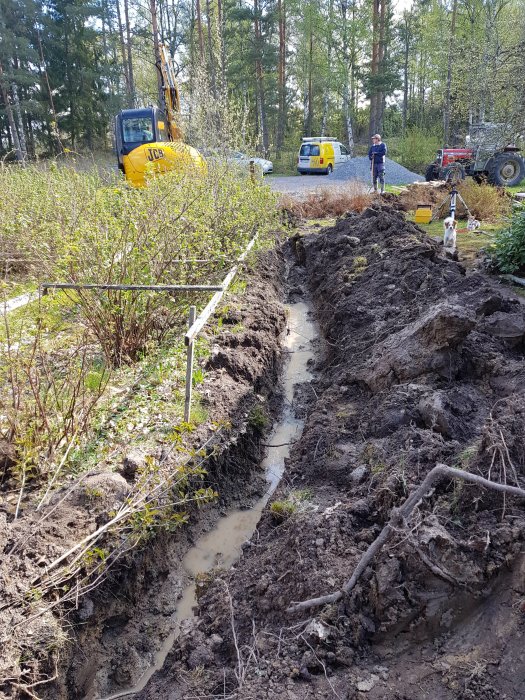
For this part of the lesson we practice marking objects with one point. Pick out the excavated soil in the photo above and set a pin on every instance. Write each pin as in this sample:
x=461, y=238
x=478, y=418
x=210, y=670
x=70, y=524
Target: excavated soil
x=106, y=639
x=421, y=364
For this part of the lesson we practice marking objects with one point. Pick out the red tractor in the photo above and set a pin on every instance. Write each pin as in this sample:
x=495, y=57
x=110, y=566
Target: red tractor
x=484, y=158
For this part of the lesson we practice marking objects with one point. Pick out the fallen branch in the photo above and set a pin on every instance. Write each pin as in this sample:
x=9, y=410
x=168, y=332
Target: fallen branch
x=398, y=518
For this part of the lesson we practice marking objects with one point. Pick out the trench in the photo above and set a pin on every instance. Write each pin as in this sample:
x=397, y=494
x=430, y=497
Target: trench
x=222, y=545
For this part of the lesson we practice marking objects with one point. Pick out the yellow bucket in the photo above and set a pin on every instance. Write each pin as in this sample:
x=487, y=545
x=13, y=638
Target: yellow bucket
x=423, y=214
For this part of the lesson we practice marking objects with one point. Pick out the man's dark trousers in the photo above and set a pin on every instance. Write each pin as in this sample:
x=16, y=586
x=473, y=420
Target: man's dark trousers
x=378, y=173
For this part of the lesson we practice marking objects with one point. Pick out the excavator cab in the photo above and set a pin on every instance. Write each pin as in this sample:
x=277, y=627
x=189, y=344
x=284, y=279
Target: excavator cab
x=144, y=147
x=136, y=127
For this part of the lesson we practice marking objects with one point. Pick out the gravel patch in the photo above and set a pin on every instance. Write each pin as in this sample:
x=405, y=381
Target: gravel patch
x=359, y=169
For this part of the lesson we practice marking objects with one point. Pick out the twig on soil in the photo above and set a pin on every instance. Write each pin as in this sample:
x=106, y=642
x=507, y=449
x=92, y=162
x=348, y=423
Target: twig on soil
x=281, y=444
x=57, y=471
x=21, y=493
x=438, y=571
x=27, y=687
x=336, y=694
x=239, y=672
x=397, y=520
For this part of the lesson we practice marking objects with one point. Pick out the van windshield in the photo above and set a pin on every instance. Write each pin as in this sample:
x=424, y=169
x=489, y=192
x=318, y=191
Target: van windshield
x=309, y=149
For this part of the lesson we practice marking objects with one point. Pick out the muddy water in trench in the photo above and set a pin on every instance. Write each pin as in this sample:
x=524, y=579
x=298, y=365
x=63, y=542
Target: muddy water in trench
x=222, y=545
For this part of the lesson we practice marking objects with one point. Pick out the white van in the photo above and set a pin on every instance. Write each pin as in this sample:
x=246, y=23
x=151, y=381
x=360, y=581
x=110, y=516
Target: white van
x=321, y=155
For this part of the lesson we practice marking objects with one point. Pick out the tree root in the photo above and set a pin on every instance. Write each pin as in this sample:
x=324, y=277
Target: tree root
x=397, y=520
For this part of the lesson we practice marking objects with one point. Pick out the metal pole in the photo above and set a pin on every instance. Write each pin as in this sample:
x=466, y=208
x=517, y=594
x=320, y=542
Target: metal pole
x=453, y=195
x=189, y=369
x=136, y=287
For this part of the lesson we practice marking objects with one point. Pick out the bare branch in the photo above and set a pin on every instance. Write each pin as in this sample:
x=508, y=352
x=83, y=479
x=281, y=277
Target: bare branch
x=398, y=518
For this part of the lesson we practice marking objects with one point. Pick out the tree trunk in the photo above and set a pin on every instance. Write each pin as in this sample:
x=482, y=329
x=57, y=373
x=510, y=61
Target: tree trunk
x=310, y=117
x=327, y=85
x=406, y=55
x=123, y=53
x=156, y=49
x=199, y=30
x=374, y=67
x=260, y=79
x=347, y=118
x=451, y=49
x=213, y=80
x=222, y=46
x=281, y=114
x=10, y=118
x=380, y=101
x=20, y=121
x=130, y=58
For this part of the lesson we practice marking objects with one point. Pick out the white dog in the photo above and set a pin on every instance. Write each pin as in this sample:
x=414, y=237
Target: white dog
x=472, y=224
x=449, y=235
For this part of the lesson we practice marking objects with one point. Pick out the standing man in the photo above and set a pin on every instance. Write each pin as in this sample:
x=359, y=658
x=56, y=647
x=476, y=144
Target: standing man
x=377, y=155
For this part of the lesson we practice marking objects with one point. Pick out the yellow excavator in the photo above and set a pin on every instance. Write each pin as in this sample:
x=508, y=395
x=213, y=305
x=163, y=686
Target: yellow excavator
x=148, y=140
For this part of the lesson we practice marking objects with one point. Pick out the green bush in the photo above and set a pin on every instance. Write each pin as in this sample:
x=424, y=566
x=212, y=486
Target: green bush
x=415, y=150
x=509, y=246
x=83, y=229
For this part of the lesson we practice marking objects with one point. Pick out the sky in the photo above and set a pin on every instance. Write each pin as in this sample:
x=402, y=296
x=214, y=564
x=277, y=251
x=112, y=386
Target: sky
x=402, y=5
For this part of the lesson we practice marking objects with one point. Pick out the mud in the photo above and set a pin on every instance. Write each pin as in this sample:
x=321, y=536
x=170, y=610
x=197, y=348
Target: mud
x=222, y=545
x=421, y=363
x=108, y=638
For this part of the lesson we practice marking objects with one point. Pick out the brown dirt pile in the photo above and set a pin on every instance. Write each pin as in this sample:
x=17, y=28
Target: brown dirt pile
x=485, y=202
x=423, y=364
x=424, y=193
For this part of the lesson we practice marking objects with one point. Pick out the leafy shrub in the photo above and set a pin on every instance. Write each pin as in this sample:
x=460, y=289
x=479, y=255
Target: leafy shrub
x=85, y=230
x=416, y=149
x=487, y=203
x=509, y=252
x=47, y=396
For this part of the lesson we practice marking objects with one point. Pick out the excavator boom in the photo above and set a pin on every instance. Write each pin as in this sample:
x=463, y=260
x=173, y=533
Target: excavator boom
x=170, y=92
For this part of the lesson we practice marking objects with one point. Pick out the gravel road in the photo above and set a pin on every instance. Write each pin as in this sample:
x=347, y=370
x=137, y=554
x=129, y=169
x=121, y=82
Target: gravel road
x=355, y=169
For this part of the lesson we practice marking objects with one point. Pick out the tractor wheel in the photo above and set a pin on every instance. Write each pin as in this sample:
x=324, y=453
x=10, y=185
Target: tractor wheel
x=432, y=172
x=453, y=174
x=506, y=169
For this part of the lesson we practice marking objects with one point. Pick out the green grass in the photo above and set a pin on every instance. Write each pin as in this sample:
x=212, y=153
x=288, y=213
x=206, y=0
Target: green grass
x=517, y=188
x=11, y=287
x=469, y=243
x=143, y=405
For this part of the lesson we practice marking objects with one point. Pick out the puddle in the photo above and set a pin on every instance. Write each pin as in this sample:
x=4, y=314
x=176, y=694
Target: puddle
x=222, y=545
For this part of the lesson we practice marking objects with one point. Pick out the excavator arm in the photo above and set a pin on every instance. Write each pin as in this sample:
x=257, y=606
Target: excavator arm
x=170, y=92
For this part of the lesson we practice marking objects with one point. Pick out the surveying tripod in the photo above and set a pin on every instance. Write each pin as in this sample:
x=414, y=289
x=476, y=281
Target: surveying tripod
x=451, y=198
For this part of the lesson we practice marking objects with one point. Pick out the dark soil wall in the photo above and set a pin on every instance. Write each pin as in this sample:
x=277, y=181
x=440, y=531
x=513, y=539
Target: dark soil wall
x=421, y=364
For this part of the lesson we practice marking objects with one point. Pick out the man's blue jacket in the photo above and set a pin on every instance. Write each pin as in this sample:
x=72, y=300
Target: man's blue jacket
x=377, y=153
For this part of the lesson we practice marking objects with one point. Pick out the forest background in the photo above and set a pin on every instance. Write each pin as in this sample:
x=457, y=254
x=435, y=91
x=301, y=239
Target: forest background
x=259, y=74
